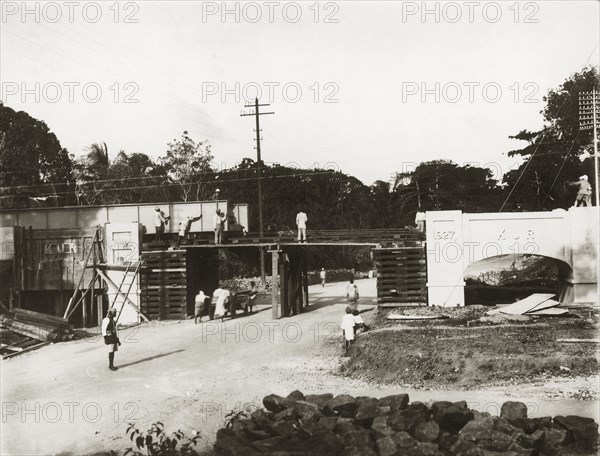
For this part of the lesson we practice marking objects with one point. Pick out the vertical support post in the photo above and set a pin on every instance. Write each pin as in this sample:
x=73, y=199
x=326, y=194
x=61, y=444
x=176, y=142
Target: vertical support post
x=304, y=277
x=84, y=312
x=283, y=286
x=275, y=283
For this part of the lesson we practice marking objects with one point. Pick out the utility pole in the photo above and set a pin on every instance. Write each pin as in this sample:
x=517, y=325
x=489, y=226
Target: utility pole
x=257, y=114
x=589, y=112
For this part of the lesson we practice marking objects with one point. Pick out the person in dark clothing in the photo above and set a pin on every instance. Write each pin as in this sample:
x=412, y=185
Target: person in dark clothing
x=111, y=336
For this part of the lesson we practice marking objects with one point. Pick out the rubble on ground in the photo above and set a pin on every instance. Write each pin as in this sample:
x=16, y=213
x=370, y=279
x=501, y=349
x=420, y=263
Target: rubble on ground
x=345, y=425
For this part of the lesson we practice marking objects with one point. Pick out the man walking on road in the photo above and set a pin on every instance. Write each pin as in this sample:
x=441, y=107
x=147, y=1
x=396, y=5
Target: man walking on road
x=323, y=276
x=352, y=294
x=301, y=220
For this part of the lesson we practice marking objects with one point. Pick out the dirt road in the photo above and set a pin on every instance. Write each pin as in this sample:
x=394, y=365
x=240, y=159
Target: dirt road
x=63, y=399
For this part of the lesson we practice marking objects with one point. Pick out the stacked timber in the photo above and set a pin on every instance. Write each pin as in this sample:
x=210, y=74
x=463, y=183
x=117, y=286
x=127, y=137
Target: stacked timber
x=164, y=285
x=38, y=326
x=401, y=276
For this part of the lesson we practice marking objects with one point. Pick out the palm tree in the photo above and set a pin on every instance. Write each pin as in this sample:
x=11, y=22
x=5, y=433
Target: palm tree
x=90, y=173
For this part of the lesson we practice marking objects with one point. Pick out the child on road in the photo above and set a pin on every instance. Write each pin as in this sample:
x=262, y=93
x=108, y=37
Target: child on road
x=348, y=328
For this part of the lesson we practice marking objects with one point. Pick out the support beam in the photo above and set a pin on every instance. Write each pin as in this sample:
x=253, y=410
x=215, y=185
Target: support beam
x=304, y=278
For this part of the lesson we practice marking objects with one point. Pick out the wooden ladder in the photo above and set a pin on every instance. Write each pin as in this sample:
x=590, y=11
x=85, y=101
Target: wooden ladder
x=127, y=282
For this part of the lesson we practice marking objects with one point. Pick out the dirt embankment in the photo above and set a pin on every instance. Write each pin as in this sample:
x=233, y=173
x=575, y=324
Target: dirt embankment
x=463, y=352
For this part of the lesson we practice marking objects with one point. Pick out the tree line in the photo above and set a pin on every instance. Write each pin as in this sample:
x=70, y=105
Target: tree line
x=35, y=170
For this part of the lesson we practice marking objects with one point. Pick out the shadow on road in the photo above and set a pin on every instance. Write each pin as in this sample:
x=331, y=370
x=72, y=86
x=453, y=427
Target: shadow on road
x=150, y=358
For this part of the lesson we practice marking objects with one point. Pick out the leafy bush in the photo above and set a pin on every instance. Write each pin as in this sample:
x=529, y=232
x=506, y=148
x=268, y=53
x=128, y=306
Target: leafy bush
x=154, y=442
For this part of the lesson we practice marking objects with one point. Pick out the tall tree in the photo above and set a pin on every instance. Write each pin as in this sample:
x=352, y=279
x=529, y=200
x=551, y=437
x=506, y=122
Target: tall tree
x=91, y=174
x=556, y=153
x=33, y=165
x=444, y=185
x=188, y=164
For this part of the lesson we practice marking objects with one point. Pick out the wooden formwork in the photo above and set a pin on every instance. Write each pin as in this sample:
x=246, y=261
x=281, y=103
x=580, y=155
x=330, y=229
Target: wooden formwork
x=164, y=285
x=401, y=275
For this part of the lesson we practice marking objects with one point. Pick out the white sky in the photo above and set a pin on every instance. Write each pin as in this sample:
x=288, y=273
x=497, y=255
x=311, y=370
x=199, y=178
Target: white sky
x=371, y=56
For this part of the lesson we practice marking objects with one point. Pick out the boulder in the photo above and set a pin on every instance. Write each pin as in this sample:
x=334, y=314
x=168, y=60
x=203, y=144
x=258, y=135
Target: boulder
x=243, y=424
x=305, y=410
x=344, y=426
x=428, y=449
x=405, y=419
x=387, y=446
x=283, y=428
x=404, y=441
x=286, y=414
x=394, y=402
x=261, y=418
x=502, y=425
x=343, y=405
x=493, y=440
x=426, y=431
x=228, y=443
x=361, y=439
x=437, y=409
x=465, y=448
x=381, y=428
x=296, y=395
x=453, y=417
x=366, y=413
x=419, y=407
x=513, y=410
x=446, y=440
x=274, y=403
x=581, y=430
x=319, y=399
x=530, y=425
x=272, y=444
x=328, y=422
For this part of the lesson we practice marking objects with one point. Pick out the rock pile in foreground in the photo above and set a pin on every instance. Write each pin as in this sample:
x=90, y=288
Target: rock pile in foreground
x=321, y=424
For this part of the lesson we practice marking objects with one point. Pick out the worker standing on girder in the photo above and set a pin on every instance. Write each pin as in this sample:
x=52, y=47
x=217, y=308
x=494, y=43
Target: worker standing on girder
x=584, y=192
x=301, y=219
x=420, y=221
x=159, y=224
x=219, y=221
x=185, y=227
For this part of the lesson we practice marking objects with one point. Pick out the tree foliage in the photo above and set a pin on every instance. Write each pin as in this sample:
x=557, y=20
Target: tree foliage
x=188, y=164
x=557, y=153
x=34, y=168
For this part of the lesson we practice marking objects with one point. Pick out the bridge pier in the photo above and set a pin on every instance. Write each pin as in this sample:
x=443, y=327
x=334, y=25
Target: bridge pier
x=455, y=240
x=290, y=288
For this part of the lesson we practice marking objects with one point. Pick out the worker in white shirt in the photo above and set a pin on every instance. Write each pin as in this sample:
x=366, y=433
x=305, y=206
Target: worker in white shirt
x=219, y=221
x=301, y=220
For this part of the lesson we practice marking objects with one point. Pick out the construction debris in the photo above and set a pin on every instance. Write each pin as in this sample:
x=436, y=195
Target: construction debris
x=535, y=304
x=38, y=326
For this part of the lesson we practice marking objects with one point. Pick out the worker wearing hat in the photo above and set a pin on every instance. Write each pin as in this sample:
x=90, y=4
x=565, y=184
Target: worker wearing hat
x=584, y=192
x=111, y=336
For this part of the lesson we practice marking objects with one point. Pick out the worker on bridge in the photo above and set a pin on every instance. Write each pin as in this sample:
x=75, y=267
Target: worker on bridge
x=584, y=192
